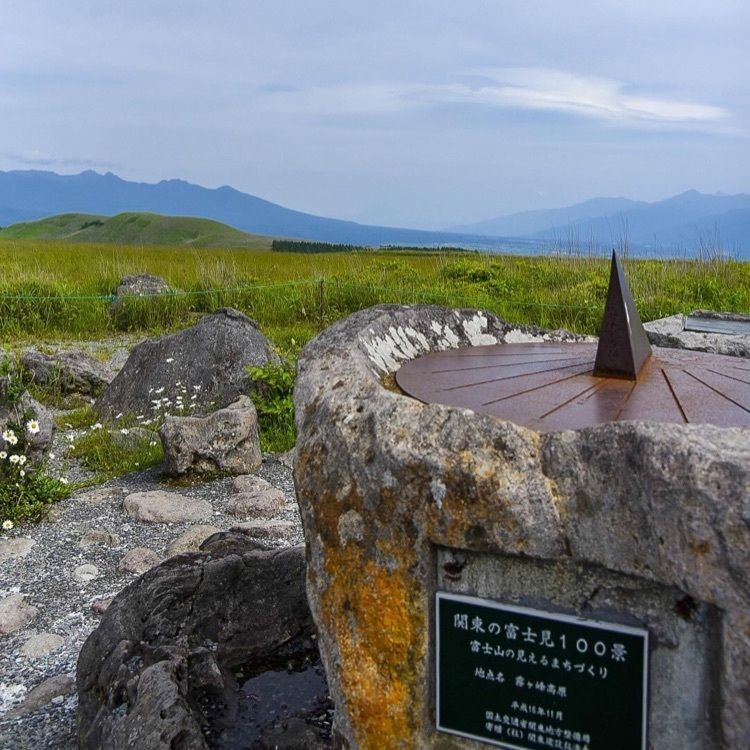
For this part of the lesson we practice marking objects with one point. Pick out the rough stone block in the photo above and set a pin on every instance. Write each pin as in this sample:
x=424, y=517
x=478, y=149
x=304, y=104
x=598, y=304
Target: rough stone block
x=632, y=521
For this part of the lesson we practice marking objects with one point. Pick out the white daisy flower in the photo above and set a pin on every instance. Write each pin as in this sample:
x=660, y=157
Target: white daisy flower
x=7, y=525
x=32, y=426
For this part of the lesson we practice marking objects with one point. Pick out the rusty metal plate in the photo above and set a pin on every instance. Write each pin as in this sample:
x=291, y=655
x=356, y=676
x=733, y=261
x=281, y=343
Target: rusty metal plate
x=552, y=386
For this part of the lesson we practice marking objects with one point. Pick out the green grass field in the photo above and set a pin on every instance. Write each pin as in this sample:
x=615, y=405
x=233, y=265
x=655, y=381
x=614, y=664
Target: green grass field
x=61, y=290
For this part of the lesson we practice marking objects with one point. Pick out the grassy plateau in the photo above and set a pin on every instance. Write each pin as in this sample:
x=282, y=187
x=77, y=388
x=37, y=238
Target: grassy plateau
x=136, y=229
x=62, y=290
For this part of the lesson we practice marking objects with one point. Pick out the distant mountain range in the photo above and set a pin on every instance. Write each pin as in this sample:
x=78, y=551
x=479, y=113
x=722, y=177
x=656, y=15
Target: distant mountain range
x=683, y=222
x=679, y=224
x=31, y=194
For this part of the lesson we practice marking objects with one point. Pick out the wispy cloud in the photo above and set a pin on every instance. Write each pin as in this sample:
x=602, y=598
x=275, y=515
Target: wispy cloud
x=539, y=89
x=587, y=96
x=36, y=158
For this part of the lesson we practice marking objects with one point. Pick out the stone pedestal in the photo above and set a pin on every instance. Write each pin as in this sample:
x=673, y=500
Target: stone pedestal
x=629, y=523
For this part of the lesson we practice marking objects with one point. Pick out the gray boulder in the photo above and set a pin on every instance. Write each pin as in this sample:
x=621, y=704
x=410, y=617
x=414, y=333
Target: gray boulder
x=159, y=671
x=71, y=371
x=202, y=367
x=19, y=412
x=140, y=285
x=226, y=441
x=670, y=332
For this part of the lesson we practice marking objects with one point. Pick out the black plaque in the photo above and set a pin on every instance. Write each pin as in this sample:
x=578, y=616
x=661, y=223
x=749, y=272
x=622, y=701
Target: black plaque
x=528, y=679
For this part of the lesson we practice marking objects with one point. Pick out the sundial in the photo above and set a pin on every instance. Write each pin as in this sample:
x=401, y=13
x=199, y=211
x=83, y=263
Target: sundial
x=557, y=386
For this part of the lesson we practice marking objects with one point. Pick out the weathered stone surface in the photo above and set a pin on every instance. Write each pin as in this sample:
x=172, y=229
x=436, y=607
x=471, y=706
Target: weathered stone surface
x=159, y=506
x=250, y=483
x=99, y=495
x=191, y=540
x=15, y=613
x=41, y=645
x=139, y=285
x=168, y=646
x=670, y=332
x=70, y=371
x=627, y=517
x=85, y=573
x=20, y=412
x=15, y=548
x=138, y=560
x=260, y=505
x=256, y=499
x=42, y=694
x=208, y=360
x=99, y=537
x=270, y=530
x=226, y=441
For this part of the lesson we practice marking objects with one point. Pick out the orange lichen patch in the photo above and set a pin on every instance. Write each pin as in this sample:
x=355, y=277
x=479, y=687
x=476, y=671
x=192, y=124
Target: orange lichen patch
x=699, y=548
x=328, y=509
x=380, y=631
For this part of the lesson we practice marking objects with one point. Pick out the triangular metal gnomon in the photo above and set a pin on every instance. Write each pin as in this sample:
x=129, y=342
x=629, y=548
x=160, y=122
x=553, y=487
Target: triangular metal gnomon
x=623, y=344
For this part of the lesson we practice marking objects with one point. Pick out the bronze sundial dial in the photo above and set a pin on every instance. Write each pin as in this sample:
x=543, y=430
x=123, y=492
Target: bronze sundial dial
x=556, y=386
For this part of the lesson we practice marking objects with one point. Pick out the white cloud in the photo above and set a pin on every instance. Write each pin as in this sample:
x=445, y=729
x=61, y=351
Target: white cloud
x=505, y=88
x=588, y=96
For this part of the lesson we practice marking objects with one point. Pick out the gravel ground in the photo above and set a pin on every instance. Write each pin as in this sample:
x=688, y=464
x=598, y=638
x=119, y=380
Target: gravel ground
x=45, y=577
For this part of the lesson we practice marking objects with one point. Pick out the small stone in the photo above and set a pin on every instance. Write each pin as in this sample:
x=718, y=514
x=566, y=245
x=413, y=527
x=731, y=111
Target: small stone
x=264, y=504
x=99, y=607
x=17, y=547
x=99, y=536
x=159, y=506
x=41, y=644
x=85, y=573
x=15, y=613
x=138, y=560
x=250, y=483
x=191, y=540
x=53, y=687
x=99, y=495
x=223, y=442
x=272, y=530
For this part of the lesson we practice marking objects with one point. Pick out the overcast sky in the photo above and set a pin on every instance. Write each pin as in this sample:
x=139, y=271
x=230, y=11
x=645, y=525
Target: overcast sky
x=400, y=112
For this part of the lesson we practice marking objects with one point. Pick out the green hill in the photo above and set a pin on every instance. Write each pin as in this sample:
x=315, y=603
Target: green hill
x=136, y=229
